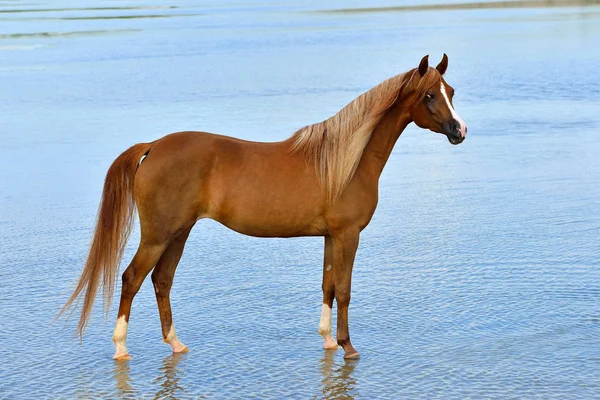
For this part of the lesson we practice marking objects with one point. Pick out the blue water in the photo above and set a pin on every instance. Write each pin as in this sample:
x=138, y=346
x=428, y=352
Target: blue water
x=478, y=277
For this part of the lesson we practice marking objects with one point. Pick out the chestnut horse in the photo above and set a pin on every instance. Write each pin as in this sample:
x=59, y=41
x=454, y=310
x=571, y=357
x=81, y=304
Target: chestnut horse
x=322, y=181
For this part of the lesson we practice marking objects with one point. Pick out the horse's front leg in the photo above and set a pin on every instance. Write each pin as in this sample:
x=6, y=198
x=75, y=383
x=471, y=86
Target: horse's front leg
x=328, y=295
x=344, y=250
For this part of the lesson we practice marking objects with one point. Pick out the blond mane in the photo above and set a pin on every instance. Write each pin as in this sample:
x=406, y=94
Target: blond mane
x=336, y=145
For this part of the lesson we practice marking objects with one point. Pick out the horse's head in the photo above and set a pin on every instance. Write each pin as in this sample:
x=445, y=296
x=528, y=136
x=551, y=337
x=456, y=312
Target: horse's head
x=432, y=107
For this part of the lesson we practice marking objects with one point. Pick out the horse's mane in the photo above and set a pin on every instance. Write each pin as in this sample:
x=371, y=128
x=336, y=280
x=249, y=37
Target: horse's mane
x=336, y=145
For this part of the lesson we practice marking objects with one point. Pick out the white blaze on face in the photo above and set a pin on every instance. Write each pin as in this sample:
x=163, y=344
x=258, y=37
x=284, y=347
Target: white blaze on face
x=325, y=324
x=463, y=126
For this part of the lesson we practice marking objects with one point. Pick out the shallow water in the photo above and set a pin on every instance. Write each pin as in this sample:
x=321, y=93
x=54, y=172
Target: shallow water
x=477, y=278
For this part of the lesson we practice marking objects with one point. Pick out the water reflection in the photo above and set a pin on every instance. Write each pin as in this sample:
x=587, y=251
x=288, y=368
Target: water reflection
x=123, y=381
x=338, y=382
x=168, y=378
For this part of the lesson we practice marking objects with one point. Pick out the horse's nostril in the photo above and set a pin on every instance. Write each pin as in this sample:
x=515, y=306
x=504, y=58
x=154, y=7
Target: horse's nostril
x=465, y=130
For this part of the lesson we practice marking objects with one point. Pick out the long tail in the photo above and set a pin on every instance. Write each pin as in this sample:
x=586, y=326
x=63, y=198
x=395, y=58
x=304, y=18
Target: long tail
x=113, y=226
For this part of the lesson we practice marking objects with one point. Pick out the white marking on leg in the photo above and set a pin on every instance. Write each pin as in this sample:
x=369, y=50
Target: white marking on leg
x=172, y=335
x=325, y=323
x=329, y=267
x=325, y=328
x=120, y=336
x=463, y=126
x=172, y=339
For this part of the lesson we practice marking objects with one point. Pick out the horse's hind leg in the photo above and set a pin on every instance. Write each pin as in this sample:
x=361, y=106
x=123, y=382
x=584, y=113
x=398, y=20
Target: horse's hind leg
x=144, y=260
x=162, y=278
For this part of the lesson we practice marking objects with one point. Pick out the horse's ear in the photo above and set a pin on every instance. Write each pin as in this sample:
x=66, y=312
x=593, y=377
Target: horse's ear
x=443, y=65
x=424, y=65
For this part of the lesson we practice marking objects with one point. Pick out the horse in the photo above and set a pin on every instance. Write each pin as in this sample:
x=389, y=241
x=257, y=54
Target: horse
x=322, y=181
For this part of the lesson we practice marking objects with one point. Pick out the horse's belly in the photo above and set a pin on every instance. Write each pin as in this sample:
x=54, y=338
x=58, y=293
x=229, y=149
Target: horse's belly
x=276, y=231
x=273, y=222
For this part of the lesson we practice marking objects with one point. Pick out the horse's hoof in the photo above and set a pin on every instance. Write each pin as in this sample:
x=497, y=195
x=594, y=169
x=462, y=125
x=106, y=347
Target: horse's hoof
x=181, y=350
x=178, y=347
x=352, y=355
x=121, y=356
x=330, y=343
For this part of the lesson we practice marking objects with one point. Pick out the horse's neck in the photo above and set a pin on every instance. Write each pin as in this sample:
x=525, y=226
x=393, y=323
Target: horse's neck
x=383, y=139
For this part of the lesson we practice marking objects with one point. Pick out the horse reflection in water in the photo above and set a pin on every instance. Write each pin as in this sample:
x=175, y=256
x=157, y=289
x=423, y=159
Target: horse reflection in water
x=168, y=379
x=322, y=181
x=123, y=381
x=338, y=382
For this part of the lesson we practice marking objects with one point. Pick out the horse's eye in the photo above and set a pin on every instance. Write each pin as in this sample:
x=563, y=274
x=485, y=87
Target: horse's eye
x=428, y=97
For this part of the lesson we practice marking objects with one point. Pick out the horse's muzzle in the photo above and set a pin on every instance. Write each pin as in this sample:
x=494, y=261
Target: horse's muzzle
x=456, y=133
x=455, y=139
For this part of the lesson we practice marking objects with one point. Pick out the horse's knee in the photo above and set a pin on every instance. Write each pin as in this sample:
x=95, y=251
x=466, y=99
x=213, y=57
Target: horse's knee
x=342, y=297
x=328, y=294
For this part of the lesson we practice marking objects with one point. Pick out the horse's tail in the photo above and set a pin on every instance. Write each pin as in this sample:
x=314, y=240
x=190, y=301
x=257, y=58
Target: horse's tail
x=113, y=226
